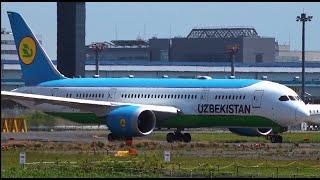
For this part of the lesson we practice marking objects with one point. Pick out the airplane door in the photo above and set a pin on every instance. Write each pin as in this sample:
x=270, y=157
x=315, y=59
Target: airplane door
x=54, y=92
x=111, y=94
x=204, y=96
x=257, y=97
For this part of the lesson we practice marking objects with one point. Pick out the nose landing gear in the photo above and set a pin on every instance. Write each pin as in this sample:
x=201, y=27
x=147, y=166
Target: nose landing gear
x=178, y=136
x=275, y=138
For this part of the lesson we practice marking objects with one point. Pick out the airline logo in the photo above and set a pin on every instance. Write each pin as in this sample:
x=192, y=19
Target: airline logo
x=122, y=122
x=27, y=50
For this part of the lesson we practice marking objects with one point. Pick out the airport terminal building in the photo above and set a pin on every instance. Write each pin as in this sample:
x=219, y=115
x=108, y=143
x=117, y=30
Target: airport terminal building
x=200, y=45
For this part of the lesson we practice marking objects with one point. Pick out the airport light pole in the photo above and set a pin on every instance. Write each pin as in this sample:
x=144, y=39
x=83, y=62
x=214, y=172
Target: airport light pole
x=303, y=18
x=233, y=49
x=97, y=47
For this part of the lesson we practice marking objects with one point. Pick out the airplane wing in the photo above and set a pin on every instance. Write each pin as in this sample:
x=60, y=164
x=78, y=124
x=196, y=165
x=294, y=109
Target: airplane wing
x=100, y=108
x=314, y=110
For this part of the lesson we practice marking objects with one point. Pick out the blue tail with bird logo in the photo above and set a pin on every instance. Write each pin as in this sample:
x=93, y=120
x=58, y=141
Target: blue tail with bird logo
x=35, y=64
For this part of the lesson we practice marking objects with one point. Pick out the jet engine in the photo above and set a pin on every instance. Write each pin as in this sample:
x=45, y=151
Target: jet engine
x=251, y=131
x=131, y=121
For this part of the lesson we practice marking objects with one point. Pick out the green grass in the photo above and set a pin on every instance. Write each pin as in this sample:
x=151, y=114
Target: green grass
x=181, y=165
x=207, y=152
x=264, y=168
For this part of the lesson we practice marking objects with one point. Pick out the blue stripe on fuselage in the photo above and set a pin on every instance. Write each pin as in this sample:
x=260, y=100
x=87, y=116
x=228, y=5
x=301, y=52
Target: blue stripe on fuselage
x=150, y=82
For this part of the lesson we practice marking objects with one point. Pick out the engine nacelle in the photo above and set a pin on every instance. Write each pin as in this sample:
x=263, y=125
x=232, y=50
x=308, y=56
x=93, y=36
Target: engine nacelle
x=131, y=121
x=251, y=131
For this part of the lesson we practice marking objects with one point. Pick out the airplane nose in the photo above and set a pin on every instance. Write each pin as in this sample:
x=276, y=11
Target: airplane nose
x=301, y=114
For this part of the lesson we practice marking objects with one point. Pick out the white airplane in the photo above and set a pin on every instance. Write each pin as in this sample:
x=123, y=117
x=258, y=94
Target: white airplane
x=134, y=107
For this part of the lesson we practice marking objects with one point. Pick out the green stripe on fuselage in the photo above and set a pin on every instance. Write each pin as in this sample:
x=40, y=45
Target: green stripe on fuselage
x=184, y=121
x=196, y=121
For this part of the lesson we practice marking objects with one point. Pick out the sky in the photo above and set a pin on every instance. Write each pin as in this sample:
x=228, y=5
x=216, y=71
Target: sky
x=107, y=21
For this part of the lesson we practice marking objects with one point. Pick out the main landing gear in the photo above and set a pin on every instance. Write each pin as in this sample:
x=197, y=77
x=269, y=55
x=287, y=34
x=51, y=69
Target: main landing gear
x=274, y=138
x=178, y=136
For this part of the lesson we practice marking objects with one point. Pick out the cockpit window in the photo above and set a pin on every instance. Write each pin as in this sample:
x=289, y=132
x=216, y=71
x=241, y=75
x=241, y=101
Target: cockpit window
x=292, y=98
x=284, y=98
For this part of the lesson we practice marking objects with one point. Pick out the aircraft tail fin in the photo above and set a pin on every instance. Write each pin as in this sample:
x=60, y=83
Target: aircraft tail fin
x=35, y=64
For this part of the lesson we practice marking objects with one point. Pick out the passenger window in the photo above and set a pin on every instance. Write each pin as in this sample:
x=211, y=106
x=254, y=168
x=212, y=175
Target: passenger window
x=292, y=98
x=284, y=98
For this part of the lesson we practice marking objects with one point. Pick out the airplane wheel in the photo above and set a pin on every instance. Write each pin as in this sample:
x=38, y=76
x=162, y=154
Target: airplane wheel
x=186, y=137
x=276, y=139
x=170, y=137
x=178, y=136
x=111, y=137
x=273, y=139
